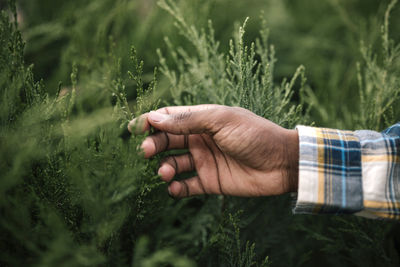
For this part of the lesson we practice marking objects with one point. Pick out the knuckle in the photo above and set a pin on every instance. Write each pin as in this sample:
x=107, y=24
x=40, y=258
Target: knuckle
x=225, y=112
x=237, y=109
x=182, y=116
x=157, y=143
x=221, y=115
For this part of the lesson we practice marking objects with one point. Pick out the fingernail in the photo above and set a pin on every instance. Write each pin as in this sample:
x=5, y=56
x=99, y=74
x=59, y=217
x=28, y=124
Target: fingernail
x=148, y=147
x=157, y=117
x=131, y=125
x=159, y=172
x=169, y=194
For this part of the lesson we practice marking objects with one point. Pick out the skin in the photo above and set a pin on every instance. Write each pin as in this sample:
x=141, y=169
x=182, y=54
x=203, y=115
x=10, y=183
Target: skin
x=233, y=151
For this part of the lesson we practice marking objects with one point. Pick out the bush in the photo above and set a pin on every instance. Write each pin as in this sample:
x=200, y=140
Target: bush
x=76, y=190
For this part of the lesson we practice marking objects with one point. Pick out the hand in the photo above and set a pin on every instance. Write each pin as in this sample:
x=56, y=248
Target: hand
x=233, y=151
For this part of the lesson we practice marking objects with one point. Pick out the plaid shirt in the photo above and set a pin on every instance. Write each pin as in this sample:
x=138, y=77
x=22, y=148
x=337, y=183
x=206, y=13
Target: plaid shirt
x=349, y=172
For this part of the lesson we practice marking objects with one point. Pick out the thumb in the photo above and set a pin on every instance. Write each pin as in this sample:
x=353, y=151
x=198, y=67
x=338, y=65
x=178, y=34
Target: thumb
x=191, y=122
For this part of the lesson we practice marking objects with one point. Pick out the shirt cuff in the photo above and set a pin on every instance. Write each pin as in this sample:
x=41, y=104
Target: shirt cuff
x=381, y=173
x=330, y=177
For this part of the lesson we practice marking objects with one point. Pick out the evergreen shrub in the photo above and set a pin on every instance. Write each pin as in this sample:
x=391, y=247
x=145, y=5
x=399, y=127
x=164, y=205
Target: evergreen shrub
x=76, y=190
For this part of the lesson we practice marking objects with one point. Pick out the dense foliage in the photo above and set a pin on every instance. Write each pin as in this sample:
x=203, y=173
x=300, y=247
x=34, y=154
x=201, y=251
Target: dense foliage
x=75, y=189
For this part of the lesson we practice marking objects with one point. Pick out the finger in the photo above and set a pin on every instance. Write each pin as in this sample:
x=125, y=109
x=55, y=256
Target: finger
x=162, y=141
x=181, y=109
x=186, y=188
x=190, y=122
x=139, y=125
x=173, y=165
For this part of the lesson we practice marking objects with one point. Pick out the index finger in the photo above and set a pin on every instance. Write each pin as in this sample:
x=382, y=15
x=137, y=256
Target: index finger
x=142, y=125
x=182, y=109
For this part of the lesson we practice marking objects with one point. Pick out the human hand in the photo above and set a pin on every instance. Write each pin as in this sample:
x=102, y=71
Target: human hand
x=233, y=151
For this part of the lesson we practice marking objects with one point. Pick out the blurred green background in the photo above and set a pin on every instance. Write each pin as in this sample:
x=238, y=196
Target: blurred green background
x=75, y=192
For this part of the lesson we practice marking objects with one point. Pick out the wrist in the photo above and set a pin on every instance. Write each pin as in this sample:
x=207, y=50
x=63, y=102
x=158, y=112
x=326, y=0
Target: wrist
x=292, y=159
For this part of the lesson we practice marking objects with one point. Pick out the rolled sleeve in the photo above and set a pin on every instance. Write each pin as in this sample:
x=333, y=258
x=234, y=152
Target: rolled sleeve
x=330, y=171
x=349, y=172
x=381, y=172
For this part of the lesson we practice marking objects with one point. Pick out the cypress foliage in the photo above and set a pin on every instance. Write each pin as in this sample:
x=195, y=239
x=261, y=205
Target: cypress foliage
x=379, y=81
x=76, y=191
